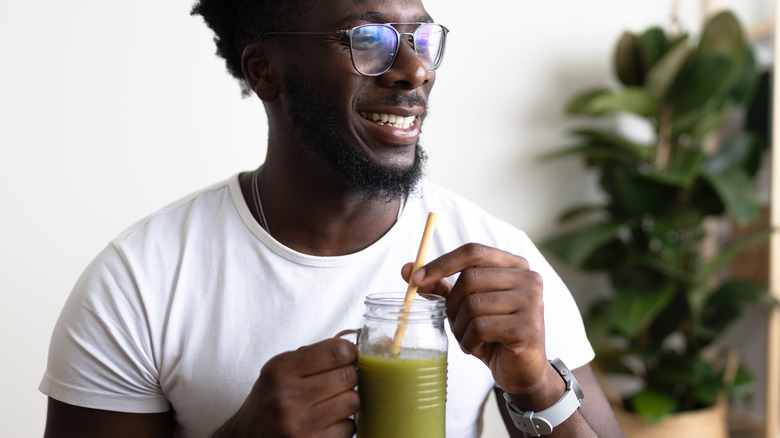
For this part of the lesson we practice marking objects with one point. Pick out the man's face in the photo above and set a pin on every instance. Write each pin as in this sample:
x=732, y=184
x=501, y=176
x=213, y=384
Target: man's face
x=333, y=108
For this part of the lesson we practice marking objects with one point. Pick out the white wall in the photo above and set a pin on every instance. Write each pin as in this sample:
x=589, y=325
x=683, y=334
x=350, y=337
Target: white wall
x=110, y=110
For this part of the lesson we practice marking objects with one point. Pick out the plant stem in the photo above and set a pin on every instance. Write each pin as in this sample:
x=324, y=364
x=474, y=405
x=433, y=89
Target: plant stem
x=664, y=149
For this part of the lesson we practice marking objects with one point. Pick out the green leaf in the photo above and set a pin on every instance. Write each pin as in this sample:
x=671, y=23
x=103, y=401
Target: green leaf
x=735, y=189
x=579, y=211
x=675, y=369
x=654, y=44
x=653, y=405
x=580, y=102
x=726, y=304
x=702, y=84
x=597, y=328
x=697, y=296
x=698, y=123
x=723, y=36
x=743, y=383
x=660, y=266
x=707, y=393
x=683, y=172
x=731, y=250
x=633, y=100
x=593, y=154
x=662, y=74
x=639, y=150
x=745, y=150
x=598, y=148
x=634, y=194
x=736, y=152
x=727, y=173
x=612, y=360
x=746, y=83
x=630, y=64
x=575, y=247
x=633, y=310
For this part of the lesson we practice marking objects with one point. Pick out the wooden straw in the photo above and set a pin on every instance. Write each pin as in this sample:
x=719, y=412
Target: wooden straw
x=411, y=290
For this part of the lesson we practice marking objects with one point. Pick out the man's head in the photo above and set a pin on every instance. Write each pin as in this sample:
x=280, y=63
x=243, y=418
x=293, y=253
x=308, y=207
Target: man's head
x=304, y=72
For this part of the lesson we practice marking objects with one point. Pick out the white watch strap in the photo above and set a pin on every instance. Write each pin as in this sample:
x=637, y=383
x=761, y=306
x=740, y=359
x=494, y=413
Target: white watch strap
x=542, y=422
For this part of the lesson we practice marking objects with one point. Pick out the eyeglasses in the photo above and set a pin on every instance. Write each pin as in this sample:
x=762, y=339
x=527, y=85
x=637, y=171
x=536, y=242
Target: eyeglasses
x=374, y=47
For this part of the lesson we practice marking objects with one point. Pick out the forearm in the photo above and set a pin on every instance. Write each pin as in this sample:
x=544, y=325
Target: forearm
x=593, y=418
x=235, y=427
x=576, y=426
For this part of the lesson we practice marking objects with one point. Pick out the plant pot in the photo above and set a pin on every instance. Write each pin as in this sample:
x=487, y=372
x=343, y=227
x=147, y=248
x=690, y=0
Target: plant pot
x=708, y=422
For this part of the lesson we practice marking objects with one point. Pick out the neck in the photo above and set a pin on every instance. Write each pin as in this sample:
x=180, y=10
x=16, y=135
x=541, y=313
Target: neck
x=312, y=215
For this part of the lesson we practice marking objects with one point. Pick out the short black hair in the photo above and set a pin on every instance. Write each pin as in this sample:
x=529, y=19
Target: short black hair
x=238, y=23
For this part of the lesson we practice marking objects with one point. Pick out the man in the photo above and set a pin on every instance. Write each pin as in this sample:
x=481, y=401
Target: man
x=166, y=332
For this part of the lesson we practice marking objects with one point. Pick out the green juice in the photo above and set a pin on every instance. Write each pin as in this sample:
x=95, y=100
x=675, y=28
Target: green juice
x=403, y=396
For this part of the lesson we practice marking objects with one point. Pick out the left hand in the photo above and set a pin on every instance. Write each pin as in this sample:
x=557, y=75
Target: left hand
x=495, y=309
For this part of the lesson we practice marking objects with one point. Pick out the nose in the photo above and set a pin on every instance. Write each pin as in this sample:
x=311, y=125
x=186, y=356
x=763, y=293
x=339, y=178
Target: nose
x=408, y=70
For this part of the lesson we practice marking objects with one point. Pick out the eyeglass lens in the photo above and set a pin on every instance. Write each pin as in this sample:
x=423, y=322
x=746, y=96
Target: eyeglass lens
x=374, y=47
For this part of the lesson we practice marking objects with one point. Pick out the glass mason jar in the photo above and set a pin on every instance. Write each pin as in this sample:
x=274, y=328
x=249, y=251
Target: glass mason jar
x=402, y=393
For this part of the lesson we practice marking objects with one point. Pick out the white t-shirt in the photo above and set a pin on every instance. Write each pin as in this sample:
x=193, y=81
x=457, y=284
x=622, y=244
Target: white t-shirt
x=182, y=309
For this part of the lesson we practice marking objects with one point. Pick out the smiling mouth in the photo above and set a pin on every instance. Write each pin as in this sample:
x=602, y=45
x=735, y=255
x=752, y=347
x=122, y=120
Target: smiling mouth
x=393, y=120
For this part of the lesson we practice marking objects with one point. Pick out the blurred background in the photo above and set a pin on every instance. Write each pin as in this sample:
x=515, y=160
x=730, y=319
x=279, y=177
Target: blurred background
x=109, y=111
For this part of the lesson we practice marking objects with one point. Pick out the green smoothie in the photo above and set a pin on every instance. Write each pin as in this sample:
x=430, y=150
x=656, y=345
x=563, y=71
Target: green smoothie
x=403, y=396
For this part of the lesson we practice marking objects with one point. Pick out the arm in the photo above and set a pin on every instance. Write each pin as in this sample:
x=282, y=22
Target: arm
x=496, y=311
x=305, y=392
x=66, y=421
x=595, y=409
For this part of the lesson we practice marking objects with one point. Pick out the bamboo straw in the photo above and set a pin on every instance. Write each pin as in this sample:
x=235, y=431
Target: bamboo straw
x=411, y=290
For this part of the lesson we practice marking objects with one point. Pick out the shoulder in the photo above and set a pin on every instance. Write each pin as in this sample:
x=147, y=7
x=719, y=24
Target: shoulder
x=188, y=210
x=469, y=221
x=148, y=254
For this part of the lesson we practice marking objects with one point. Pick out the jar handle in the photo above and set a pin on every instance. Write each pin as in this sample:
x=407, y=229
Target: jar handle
x=349, y=332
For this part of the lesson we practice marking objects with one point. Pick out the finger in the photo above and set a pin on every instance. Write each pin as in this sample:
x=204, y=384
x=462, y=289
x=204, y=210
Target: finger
x=325, y=385
x=477, y=305
x=315, y=358
x=335, y=409
x=490, y=279
x=483, y=331
x=343, y=429
x=406, y=271
x=469, y=255
x=441, y=287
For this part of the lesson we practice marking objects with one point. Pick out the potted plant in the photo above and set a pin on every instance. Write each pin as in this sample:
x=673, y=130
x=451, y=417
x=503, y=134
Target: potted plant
x=669, y=303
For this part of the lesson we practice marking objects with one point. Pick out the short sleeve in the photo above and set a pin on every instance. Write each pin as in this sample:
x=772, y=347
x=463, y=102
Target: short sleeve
x=102, y=350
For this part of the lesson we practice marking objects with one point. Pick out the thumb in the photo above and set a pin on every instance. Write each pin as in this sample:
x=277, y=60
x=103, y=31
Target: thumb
x=406, y=271
x=440, y=287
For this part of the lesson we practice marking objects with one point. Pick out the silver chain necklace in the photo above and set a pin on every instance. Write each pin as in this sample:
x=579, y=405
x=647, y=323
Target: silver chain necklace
x=258, y=204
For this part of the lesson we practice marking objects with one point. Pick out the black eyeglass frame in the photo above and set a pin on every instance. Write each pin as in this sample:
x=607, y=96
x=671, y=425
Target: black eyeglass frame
x=351, y=31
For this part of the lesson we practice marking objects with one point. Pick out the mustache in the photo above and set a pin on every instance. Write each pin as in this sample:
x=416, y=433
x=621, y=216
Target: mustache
x=408, y=100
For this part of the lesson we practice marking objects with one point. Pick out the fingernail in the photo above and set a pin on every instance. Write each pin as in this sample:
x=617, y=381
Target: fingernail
x=418, y=276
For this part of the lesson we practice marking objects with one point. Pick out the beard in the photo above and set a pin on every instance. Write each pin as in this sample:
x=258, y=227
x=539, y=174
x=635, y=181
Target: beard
x=315, y=124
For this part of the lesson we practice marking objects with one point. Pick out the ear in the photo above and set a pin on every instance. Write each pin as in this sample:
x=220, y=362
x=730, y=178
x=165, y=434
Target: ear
x=258, y=72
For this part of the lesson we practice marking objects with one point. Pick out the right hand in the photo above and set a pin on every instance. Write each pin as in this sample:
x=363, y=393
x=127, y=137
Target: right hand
x=304, y=393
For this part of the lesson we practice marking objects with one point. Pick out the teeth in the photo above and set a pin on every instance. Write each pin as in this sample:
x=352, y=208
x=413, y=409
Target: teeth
x=393, y=120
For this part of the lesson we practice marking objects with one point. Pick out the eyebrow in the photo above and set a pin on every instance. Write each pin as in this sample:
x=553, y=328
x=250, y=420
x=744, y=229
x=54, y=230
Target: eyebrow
x=377, y=17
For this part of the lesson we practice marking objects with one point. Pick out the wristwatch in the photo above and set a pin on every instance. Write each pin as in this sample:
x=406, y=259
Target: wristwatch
x=542, y=422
